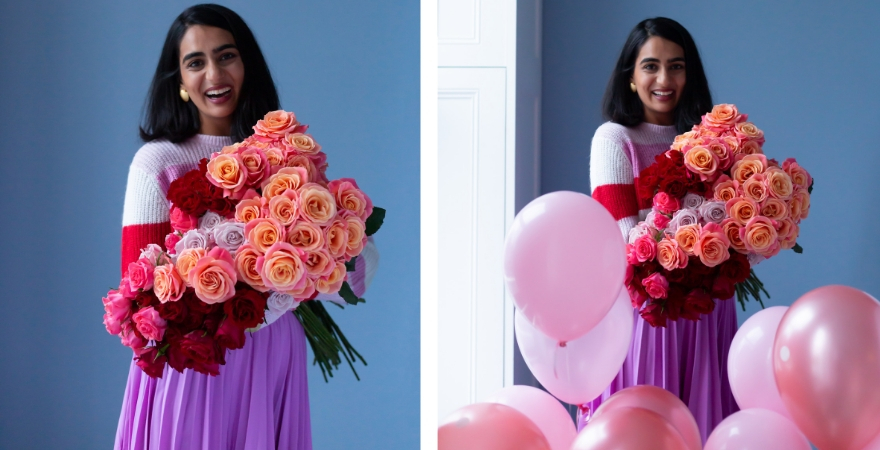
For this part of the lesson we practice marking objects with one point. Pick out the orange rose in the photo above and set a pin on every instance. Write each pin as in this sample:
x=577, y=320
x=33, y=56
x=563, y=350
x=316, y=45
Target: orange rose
x=303, y=162
x=333, y=282
x=687, y=237
x=793, y=230
x=722, y=116
x=795, y=208
x=167, y=283
x=731, y=230
x=264, y=233
x=286, y=178
x=357, y=236
x=246, y=267
x=282, y=268
x=317, y=204
x=712, y=246
x=779, y=183
x=726, y=189
x=302, y=142
x=186, y=260
x=284, y=207
x=741, y=209
x=701, y=161
x=722, y=153
x=682, y=140
x=276, y=124
x=305, y=236
x=275, y=156
x=213, y=278
x=760, y=237
x=774, y=209
x=748, y=130
x=670, y=255
x=319, y=263
x=336, y=236
x=755, y=188
x=303, y=292
x=249, y=209
x=751, y=148
x=226, y=171
x=799, y=176
x=749, y=165
x=804, y=198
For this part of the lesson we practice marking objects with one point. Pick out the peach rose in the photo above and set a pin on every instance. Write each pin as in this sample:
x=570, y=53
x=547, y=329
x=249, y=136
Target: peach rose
x=304, y=143
x=286, y=178
x=712, y=245
x=748, y=131
x=726, y=189
x=227, y=172
x=357, y=236
x=317, y=204
x=799, y=176
x=784, y=228
x=687, y=237
x=336, y=236
x=795, y=208
x=249, y=209
x=167, y=283
x=276, y=124
x=349, y=197
x=774, y=209
x=319, y=263
x=731, y=230
x=779, y=183
x=722, y=117
x=749, y=165
x=257, y=164
x=275, y=156
x=759, y=236
x=213, y=277
x=305, y=236
x=670, y=255
x=282, y=268
x=722, y=153
x=186, y=260
x=303, y=162
x=804, y=199
x=284, y=207
x=742, y=209
x=306, y=291
x=701, y=161
x=751, y=148
x=264, y=233
x=246, y=267
x=732, y=145
x=230, y=149
x=333, y=282
x=755, y=187
x=683, y=139
x=788, y=241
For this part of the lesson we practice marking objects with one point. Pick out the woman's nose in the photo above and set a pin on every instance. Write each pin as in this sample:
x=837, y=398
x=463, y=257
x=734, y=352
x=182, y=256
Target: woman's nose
x=214, y=72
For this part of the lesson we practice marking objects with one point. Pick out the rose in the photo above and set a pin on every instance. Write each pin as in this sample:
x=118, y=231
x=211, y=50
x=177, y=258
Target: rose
x=229, y=236
x=749, y=165
x=779, y=183
x=171, y=241
x=670, y=255
x=227, y=172
x=276, y=124
x=305, y=236
x=349, y=197
x=151, y=362
x=653, y=314
x=186, y=260
x=741, y=209
x=332, y=283
x=336, y=236
x=279, y=303
x=319, y=162
x=656, y=286
x=275, y=156
x=659, y=220
x=112, y=325
x=284, y=207
x=201, y=350
x=687, y=237
x=317, y=204
x=303, y=162
x=319, y=263
x=803, y=199
x=722, y=117
x=682, y=218
x=799, y=176
x=641, y=229
x=213, y=277
x=286, y=178
x=748, y=131
x=733, y=146
x=208, y=221
x=736, y=268
x=246, y=267
x=683, y=139
x=755, y=187
x=140, y=275
x=759, y=236
x=698, y=302
x=774, y=208
x=172, y=311
x=751, y=148
x=230, y=334
x=282, y=267
x=264, y=233
x=168, y=285
x=664, y=203
x=305, y=292
x=692, y=201
x=725, y=188
x=149, y=324
x=249, y=209
x=256, y=164
x=702, y=162
x=789, y=240
x=131, y=337
x=191, y=193
x=146, y=298
x=722, y=153
x=192, y=239
x=153, y=253
x=712, y=245
x=246, y=308
x=713, y=211
x=116, y=306
x=303, y=143
x=731, y=230
x=645, y=249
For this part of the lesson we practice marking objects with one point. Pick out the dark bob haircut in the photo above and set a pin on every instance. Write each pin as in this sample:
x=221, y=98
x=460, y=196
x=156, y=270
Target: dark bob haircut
x=166, y=116
x=623, y=106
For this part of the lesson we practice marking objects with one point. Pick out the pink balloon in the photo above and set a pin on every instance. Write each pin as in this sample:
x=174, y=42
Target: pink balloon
x=826, y=359
x=489, y=426
x=564, y=262
x=750, y=362
x=660, y=401
x=874, y=444
x=542, y=409
x=629, y=429
x=756, y=429
x=583, y=368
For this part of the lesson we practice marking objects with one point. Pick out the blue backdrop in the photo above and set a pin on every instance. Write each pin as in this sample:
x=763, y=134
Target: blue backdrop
x=74, y=77
x=805, y=74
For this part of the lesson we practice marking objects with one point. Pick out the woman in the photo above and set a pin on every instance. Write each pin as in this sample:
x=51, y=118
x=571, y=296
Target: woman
x=657, y=91
x=211, y=86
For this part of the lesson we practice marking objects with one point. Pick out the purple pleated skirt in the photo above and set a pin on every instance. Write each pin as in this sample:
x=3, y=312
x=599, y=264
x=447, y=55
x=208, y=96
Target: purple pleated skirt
x=686, y=358
x=260, y=400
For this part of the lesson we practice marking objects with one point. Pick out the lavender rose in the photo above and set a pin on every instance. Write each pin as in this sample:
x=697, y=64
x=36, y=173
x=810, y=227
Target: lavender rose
x=192, y=239
x=713, y=211
x=692, y=201
x=681, y=218
x=229, y=235
x=209, y=221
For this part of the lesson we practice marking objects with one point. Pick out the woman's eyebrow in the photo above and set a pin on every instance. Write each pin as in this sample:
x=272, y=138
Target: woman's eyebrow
x=224, y=47
x=216, y=50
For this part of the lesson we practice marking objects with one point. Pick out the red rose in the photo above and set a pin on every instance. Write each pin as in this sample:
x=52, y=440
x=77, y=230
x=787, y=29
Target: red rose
x=202, y=351
x=674, y=305
x=736, y=268
x=191, y=193
x=172, y=311
x=247, y=307
x=150, y=362
x=230, y=335
x=212, y=322
x=723, y=288
x=674, y=187
x=194, y=304
x=698, y=302
x=146, y=298
x=653, y=315
x=224, y=206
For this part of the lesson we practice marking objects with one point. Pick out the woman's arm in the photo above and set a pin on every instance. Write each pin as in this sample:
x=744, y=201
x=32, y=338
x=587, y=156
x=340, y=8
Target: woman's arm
x=611, y=181
x=360, y=279
x=144, y=215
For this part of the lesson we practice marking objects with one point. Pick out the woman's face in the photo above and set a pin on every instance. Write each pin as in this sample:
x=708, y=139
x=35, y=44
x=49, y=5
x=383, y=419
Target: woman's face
x=659, y=77
x=212, y=72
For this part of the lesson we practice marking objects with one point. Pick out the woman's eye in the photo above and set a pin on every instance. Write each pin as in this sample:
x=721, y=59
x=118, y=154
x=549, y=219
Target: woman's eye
x=649, y=67
x=194, y=64
x=227, y=56
x=677, y=67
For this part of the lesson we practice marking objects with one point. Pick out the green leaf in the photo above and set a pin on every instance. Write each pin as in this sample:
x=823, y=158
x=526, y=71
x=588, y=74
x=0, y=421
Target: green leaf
x=349, y=265
x=797, y=248
x=810, y=189
x=374, y=222
x=348, y=295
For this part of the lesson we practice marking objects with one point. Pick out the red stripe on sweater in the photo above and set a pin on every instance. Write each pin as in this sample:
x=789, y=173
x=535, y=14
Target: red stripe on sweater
x=644, y=203
x=136, y=237
x=618, y=199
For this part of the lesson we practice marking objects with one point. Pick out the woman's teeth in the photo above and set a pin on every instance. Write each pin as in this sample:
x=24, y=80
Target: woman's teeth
x=217, y=92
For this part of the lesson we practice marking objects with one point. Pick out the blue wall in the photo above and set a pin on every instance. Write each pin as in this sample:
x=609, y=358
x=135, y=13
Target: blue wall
x=806, y=74
x=74, y=80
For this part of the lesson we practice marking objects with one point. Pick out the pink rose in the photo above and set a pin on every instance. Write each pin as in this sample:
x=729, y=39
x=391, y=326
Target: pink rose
x=670, y=255
x=154, y=254
x=282, y=268
x=656, y=285
x=125, y=288
x=112, y=325
x=350, y=198
x=256, y=163
x=117, y=306
x=276, y=124
x=171, y=241
x=645, y=249
x=149, y=324
x=131, y=337
x=181, y=221
x=140, y=275
x=213, y=276
x=167, y=284
x=722, y=117
x=800, y=178
x=227, y=172
x=713, y=245
x=760, y=236
x=331, y=284
x=666, y=203
x=661, y=220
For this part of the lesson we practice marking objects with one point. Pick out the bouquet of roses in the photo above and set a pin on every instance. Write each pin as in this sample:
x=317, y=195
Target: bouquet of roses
x=718, y=207
x=258, y=230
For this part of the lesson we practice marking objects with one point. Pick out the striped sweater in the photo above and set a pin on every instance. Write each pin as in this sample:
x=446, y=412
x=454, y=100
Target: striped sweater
x=145, y=217
x=617, y=156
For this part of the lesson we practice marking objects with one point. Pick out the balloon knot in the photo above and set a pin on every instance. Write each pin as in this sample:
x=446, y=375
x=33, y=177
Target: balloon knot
x=562, y=344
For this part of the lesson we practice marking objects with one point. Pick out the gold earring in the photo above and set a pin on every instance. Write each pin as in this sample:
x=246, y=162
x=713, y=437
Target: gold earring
x=184, y=95
x=632, y=87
